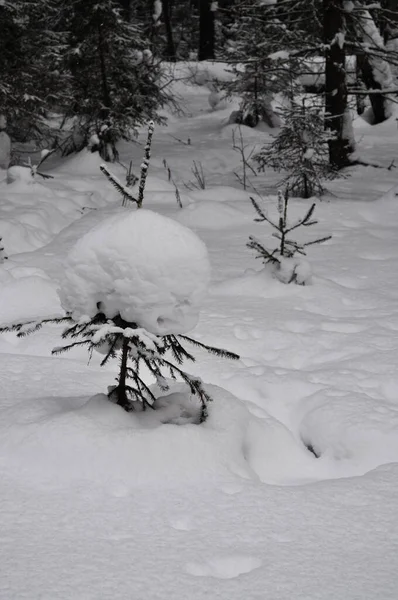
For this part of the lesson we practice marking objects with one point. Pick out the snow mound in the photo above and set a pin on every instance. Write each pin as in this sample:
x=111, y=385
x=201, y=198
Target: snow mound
x=61, y=441
x=83, y=163
x=353, y=429
x=31, y=214
x=141, y=265
x=211, y=215
x=28, y=298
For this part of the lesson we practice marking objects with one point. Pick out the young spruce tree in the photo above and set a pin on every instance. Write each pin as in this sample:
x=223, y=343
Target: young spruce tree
x=301, y=151
x=285, y=265
x=135, y=346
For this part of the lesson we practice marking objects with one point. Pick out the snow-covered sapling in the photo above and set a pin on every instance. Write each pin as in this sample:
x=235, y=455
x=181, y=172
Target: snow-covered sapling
x=145, y=164
x=239, y=146
x=131, y=179
x=285, y=265
x=301, y=150
x=132, y=289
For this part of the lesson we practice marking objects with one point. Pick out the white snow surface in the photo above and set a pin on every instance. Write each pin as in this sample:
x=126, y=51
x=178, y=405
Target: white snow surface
x=96, y=503
x=141, y=265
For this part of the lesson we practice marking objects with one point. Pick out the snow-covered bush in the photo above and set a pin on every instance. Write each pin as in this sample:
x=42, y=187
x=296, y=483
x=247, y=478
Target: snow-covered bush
x=301, y=149
x=132, y=286
x=286, y=267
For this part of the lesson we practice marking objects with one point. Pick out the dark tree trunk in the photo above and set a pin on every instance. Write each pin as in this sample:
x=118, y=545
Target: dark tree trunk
x=122, y=399
x=377, y=100
x=369, y=66
x=206, y=31
x=170, y=47
x=336, y=97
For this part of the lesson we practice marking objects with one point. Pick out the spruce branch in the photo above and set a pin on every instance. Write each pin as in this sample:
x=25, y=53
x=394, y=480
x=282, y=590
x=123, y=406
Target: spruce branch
x=118, y=185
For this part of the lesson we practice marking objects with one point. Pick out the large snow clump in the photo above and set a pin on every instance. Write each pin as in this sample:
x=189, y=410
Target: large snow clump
x=141, y=265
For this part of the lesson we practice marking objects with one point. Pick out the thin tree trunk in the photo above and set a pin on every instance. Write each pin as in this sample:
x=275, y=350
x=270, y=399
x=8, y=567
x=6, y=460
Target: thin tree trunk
x=336, y=97
x=206, y=31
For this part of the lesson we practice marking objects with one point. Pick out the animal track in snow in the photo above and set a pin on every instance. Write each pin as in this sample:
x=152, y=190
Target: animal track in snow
x=224, y=567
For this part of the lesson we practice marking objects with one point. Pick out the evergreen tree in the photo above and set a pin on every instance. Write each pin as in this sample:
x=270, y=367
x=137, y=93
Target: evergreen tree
x=301, y=150
x=282, y=259
x=115, y=79
x=32, y=81
x=259, y=45
x=163, y=356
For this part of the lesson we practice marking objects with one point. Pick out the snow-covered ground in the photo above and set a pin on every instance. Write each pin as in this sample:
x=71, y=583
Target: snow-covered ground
x=100, y=504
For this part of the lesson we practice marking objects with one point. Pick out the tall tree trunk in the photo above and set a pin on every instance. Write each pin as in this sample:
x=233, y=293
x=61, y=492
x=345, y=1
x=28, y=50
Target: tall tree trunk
x=206, y=31
x=376, y=71
x=336, y=97
x=170, y=47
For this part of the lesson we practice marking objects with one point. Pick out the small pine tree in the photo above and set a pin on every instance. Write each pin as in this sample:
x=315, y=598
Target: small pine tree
x=300, y=149
x=163, y=356
x=286, y=270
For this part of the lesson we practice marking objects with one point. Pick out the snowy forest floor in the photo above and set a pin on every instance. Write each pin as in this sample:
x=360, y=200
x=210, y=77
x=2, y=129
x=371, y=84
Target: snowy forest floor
x=92, y=507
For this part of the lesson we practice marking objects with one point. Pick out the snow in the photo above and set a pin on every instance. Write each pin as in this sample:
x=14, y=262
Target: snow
x=141, y=265
x=207, y=214
x=100, y=503
x=348, y=6
x=28, y=298
x=157, y=10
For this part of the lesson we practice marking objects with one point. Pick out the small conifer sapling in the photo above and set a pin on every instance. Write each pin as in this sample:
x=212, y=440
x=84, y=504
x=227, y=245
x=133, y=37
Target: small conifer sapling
x=286, y=266
x=135, y=348
x=301, y=150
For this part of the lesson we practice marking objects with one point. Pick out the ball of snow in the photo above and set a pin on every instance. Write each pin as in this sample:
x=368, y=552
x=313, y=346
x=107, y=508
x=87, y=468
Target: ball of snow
x=20, y=174
x=148, y=268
